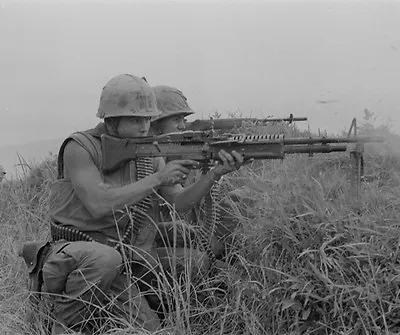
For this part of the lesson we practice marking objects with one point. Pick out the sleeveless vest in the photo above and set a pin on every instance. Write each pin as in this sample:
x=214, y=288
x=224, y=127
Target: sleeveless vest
x=67, y=210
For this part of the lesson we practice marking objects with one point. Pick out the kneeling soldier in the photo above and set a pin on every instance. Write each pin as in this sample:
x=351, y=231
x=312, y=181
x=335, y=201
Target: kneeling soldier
x=93, y=214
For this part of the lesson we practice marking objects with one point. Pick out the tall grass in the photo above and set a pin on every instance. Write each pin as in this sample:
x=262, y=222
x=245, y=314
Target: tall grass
x=305, y=256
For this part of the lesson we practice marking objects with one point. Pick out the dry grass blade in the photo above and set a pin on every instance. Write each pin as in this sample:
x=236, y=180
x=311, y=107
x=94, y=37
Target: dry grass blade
x=301, y=260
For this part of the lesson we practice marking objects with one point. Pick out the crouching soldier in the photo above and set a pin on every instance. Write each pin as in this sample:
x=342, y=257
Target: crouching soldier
x=94, y=215
x=174, y=109
x=217, y=209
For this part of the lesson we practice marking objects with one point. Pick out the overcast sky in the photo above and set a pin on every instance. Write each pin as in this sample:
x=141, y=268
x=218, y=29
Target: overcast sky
x=327, y=60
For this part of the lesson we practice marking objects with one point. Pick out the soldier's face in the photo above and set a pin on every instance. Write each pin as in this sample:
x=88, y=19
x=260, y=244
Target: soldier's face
x=172, y=124
x=2, y=175
x=133, y=126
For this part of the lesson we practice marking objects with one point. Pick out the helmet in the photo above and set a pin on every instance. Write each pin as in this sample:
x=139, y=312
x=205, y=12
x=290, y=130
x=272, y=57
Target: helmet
x=171, y=101
x=127, y=95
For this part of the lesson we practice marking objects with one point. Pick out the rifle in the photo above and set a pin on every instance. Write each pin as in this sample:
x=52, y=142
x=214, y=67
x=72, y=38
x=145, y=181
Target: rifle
x=203, y=146
x=226, y=124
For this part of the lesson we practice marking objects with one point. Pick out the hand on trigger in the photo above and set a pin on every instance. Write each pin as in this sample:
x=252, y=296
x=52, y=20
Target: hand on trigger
x=175, y=172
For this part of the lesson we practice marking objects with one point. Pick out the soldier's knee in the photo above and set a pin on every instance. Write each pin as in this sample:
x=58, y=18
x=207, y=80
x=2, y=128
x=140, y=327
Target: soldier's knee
x=103, y=262
x=106, y=257
x=78, y=262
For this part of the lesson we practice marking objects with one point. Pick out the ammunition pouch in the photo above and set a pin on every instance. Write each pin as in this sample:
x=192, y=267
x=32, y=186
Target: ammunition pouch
x=35, y=255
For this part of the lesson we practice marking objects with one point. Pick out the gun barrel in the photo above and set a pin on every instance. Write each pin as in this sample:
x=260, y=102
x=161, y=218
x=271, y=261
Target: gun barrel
x=303, y=149
x=325, y=140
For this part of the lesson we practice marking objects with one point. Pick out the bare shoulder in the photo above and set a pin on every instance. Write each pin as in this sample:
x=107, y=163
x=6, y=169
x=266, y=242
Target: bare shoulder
x=76, y=157
x=74, y=151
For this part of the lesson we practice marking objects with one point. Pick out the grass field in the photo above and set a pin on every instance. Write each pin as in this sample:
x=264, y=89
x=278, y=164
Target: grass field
x=310, y=258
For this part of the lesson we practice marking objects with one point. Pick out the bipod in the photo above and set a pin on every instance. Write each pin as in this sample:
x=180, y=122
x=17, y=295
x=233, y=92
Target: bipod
x=356, y=164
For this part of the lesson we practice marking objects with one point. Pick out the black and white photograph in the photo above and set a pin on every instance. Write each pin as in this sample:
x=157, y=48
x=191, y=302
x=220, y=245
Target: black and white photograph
x=190, y=167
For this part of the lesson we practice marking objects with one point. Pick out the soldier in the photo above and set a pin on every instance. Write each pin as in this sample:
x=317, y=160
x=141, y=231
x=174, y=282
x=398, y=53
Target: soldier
x=2, y=173
x=174, y=109
x=93, y=211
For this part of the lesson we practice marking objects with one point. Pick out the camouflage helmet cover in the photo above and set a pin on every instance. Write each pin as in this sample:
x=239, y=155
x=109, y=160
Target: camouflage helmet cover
x=170, y=101
x=127, y=95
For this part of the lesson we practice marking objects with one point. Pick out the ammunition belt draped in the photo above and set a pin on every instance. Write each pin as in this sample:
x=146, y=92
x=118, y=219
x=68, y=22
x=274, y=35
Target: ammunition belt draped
x=144, y=168
x=59, y=232
x=70, y=234
x=205, y=232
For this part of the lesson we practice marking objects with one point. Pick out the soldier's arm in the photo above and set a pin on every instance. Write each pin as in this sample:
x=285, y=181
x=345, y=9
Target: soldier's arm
x=186, y=198
x=98, y=197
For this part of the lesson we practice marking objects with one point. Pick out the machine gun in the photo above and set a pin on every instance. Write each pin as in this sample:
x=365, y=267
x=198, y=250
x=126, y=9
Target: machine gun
x=230, y=123
x=203, y=146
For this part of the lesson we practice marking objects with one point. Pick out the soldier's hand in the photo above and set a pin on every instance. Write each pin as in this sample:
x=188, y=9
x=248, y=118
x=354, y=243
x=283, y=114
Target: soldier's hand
x=230, y=162
x=175, y=172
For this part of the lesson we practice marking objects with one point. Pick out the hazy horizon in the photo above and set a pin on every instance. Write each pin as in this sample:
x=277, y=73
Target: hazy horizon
x=327, y=60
